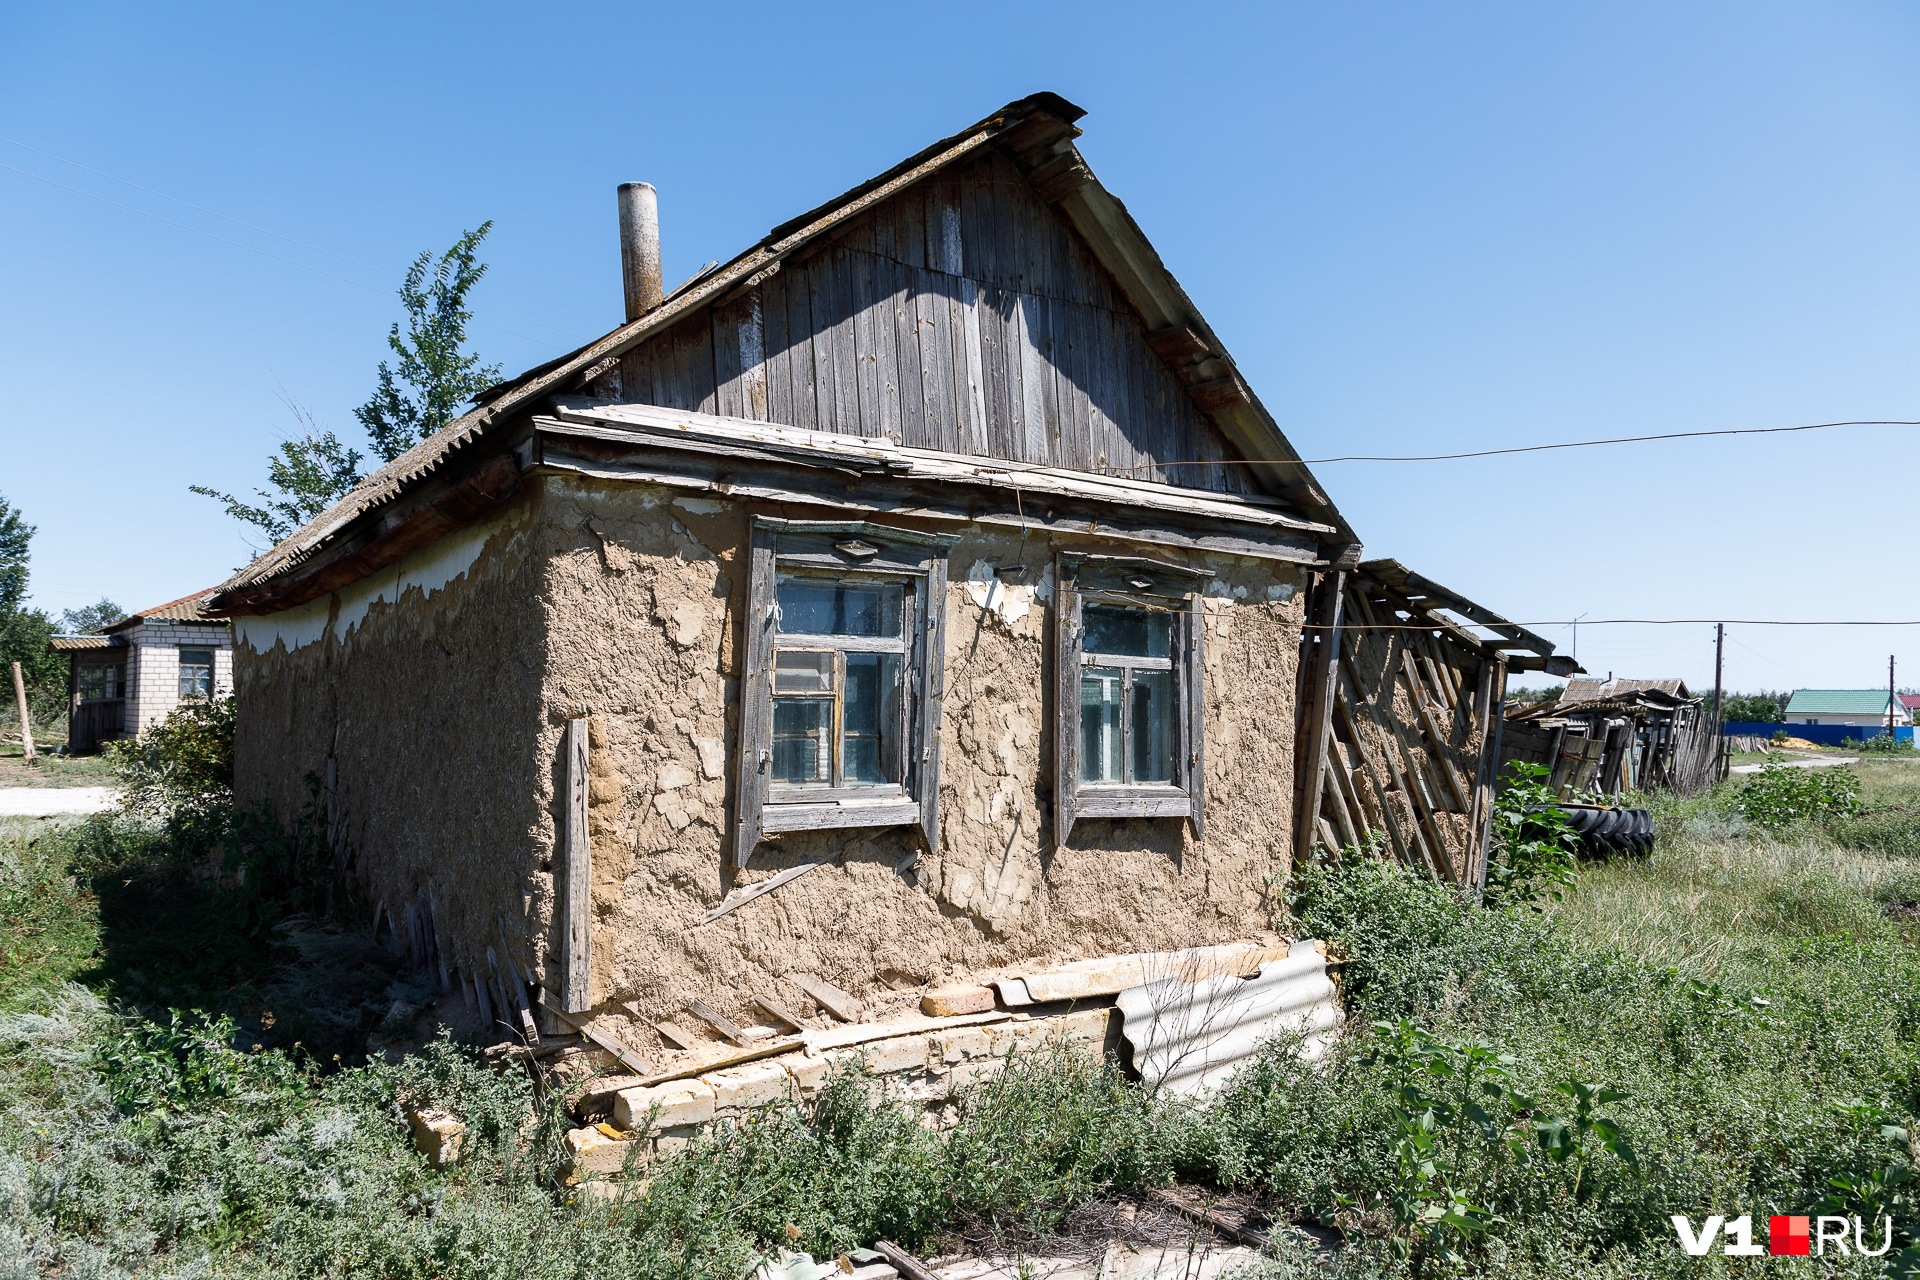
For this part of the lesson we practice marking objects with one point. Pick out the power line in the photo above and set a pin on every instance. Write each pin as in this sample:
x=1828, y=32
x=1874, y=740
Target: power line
x=241, y=244
x=1526, y=448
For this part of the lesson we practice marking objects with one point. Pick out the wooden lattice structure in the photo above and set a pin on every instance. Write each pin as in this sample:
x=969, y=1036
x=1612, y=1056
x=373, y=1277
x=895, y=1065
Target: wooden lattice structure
x=1414, y=732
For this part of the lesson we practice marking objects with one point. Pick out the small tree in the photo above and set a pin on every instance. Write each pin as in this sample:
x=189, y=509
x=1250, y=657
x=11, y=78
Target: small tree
x=89, y=618
x=308, y=474
x=435, y=377
x=24, y=632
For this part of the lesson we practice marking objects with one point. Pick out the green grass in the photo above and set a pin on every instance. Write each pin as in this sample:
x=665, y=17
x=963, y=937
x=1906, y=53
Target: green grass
x=1744, y=989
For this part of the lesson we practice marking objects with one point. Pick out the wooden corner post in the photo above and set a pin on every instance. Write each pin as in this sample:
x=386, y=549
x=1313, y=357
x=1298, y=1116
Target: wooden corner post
x=578, y=997
x=26, y=721
x=1319, y=666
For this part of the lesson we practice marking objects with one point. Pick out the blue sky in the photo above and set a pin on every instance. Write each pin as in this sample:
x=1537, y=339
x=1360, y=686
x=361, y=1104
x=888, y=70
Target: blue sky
x=1419, y=228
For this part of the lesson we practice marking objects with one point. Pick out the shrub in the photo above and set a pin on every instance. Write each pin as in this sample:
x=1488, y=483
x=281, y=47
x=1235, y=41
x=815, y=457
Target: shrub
x=1534, y=844
x=180, y=771
x=1780, y=795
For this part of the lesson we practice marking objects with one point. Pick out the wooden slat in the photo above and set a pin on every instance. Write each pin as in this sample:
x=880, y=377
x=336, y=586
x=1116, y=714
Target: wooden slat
x=779, y=359
x=1334, y=800
x=931, y=711
x=719, y=1022
x=756, y=703
x=1066, y=704
x=1421, y=698
x=1195, y=728
x=829, y=997
x=1343, y=717
x=936, y=303
x=800, y=347
x=1322, y=635
x=578, y=961
x=1400, y=768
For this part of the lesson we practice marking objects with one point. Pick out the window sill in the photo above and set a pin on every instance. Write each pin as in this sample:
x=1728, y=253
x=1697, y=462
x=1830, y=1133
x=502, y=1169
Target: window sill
x=801, y=815
x=1093, y=801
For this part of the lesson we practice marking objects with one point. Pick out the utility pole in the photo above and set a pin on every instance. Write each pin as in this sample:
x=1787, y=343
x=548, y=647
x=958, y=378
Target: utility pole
x=1719, y=659
x=26, y=721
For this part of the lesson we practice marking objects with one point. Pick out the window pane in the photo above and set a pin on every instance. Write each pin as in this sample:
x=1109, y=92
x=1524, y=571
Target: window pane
x=818, y=607
x=1132, y=633
x=1153, y=726
x=1100, y=724
x=870, y=720
x=113, y=680
x=802, y=753
x=803, y=671
x=93, y=682
x=196, y=657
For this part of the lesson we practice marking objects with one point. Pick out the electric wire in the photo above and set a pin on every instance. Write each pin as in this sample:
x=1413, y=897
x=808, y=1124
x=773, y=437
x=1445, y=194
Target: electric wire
x=1525, y=448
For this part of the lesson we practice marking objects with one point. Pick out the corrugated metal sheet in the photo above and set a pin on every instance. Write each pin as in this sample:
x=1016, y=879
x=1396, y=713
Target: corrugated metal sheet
x=1188, y=1037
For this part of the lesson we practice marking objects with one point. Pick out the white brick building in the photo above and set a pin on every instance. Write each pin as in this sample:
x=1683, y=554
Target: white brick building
x=134, y=672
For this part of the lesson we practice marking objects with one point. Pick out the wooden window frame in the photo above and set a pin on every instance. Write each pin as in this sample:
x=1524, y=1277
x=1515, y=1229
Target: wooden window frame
x=210, y=664
x=846, y=550
x=1129, y=583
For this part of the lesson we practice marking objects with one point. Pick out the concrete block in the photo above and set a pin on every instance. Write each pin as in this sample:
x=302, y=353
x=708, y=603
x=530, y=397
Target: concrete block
x=754, y=1084
x=680, y=1102
x=972, y=1072
x=925, y=1087
x=595, y=1153
x=601, y=1191
x=964, y=997
x=902, y=1053
x=961, y=1043
x=437, y=1136
x=1088, y=1025
x=675, y=1140
x=808, y=1074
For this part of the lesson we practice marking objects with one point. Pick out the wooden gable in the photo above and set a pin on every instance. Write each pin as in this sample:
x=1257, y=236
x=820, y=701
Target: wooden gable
x=963, y=314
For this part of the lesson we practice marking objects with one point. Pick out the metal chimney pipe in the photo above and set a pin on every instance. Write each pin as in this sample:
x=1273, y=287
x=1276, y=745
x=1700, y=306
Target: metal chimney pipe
x=640, y=247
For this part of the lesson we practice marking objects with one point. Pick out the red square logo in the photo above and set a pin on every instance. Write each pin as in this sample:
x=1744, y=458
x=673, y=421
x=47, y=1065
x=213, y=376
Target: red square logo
x=1788, y=1236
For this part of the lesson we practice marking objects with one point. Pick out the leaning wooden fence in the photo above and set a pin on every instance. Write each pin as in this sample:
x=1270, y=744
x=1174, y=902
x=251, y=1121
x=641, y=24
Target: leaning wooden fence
x=1414, y=729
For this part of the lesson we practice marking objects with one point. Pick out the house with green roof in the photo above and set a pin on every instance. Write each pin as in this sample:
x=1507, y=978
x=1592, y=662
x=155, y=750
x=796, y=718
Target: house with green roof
x=1862, y=708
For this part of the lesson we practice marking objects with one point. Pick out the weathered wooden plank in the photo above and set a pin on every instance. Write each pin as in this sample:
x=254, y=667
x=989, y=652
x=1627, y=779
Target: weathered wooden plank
x=1035, y=379
x=905, y=318
x=829, y=997
x=1417, y=843
x=933, y=682
x=779, y=360
x=1316, y=715
x=1421, y=698
x=775, y=1010
x=742, y=896
x=694, y=345
x=997, y=393
x=1195, y=720
x=1066, y=704
x=869, y=319
x=719, y=1022
x=729, y=388
x=828, y=387
x=756, y=703
x=857, y=418
x=937, y=345
x=800, y=347
x=578, y=960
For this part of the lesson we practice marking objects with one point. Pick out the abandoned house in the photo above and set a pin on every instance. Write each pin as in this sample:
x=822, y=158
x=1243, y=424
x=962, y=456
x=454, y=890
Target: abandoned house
x=130, y=674
x=920, y=595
